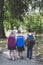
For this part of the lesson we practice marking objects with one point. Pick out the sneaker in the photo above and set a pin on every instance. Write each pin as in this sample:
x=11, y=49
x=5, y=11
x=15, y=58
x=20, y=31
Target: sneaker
x=21, y=57
x=30, y=58
x=13, y=59
x=10, y=58
x=18, y=57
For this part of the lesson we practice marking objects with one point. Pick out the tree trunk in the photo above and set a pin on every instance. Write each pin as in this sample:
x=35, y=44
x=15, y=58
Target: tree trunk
x=2, y=33
x=11, y=23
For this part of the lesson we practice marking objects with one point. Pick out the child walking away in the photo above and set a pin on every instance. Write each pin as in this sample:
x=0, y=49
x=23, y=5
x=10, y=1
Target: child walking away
x=30, y=43
x=11, y=45
x=20, y=44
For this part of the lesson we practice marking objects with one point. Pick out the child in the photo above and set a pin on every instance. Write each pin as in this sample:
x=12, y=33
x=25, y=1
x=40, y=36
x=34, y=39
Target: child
x=20, y=44
x=30, y=43
x=11, y=45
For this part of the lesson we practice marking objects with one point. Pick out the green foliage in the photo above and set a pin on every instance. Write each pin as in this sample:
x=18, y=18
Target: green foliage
x=15, y=11
x=8, y=24
x=34, y=22
x=17, y=7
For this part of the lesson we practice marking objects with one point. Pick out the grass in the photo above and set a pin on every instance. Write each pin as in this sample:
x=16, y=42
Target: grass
x=39, y=49
x=2, y=44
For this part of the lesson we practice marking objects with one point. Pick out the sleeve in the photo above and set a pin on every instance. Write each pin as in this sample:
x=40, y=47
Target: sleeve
x=34, y=37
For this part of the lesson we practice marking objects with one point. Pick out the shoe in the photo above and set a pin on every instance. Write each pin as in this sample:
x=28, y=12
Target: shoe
x=30, y=58
x=13, y=59
x=18, y=57
x=10, y=58
x=21, y=57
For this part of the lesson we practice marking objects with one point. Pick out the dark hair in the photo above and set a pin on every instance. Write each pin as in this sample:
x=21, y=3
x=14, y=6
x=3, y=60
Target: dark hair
x=19, y=31
x=29, y=30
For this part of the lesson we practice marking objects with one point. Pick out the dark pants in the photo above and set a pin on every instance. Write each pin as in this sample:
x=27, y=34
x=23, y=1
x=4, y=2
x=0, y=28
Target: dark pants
x=29, y=52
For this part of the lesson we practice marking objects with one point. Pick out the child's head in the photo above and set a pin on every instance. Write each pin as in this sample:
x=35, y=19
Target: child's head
x=19, y=31
x=12, y=32
x=30, y=30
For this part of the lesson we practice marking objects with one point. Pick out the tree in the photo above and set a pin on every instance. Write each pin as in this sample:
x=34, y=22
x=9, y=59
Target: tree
x=35, y=22
x=17, y=8
x=2, y=33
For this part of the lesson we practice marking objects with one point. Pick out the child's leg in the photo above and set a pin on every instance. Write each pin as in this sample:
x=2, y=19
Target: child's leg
x=21, y=54
x=30, y=52
x=12, y=52
x=27, y=52
x=9, y=54
x=18, y=55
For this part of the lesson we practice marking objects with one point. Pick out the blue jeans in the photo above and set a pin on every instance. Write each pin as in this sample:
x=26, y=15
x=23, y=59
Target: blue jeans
x=29, y=52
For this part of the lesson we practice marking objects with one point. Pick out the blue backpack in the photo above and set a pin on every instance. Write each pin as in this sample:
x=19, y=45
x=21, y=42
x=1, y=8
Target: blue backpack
x=30, y=40
x=20, y=41
x=30, y=37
